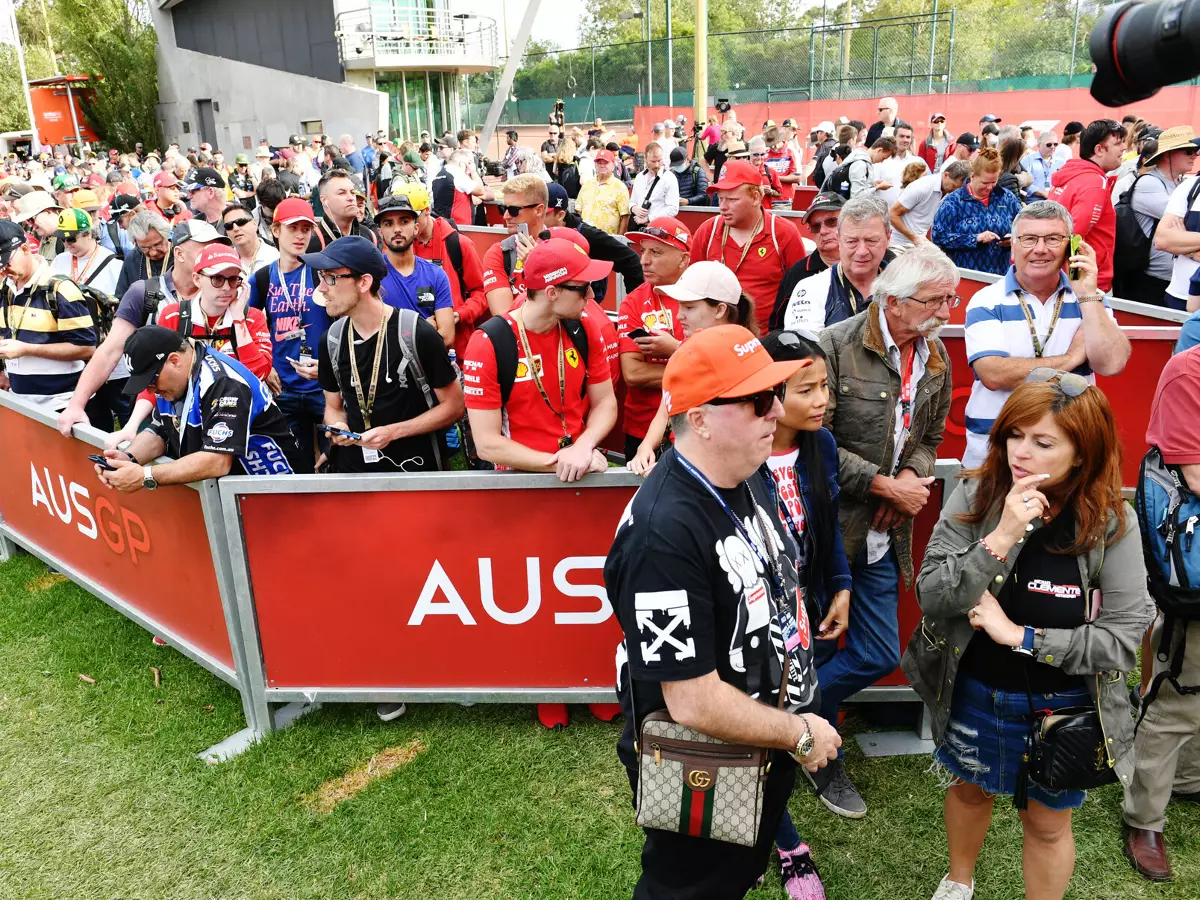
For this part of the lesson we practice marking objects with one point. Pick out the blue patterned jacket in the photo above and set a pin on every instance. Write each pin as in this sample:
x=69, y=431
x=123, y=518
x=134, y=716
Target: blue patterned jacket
x=960, y=218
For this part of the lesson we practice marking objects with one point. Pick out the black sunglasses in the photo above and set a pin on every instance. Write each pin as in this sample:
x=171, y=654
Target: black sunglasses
x=577, y=288
x=238, y=223
x=1068, y=383
x=763, y=401
x=514, y=211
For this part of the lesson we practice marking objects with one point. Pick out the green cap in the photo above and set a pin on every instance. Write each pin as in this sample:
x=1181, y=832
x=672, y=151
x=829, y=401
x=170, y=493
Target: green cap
x=413, y=158
x=73, y=221
x=241, y=160
x=65, y=182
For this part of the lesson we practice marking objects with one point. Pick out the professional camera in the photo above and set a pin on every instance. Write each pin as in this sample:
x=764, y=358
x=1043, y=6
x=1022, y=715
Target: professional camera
x=1141, y=47
x=556, y=117
x=723, y=105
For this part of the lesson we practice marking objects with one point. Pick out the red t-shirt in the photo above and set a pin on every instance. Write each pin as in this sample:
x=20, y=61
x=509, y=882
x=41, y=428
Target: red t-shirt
x=781, y=162
x=474, y=306
x=528, y=421
x=764, y=265
x=594, y=316
x=461, y=210
x=644, y=307
x=769, y=180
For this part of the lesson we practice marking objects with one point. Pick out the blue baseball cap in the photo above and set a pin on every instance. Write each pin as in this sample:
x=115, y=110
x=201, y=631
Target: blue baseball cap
x=558, y=196
x=354, y=253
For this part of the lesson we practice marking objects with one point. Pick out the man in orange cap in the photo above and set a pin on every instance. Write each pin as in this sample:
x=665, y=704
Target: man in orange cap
x=648, y=324
x=702, y=575
x=757, y=245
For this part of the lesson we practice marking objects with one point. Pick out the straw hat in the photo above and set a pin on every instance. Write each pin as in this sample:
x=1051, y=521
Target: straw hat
x=1178, y=137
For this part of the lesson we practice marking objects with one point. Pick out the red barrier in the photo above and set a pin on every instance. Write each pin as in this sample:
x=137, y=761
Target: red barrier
x=147, y=552
x=496, y=589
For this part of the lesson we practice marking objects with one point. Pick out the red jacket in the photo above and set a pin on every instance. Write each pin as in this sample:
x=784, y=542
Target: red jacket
x=1083, y=188
x=928, y=152
x=473, y=308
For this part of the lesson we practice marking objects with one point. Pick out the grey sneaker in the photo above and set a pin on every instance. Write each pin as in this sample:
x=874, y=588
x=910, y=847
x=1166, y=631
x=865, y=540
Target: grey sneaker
x=389, y=711
x=953, y=890
x=837, y=791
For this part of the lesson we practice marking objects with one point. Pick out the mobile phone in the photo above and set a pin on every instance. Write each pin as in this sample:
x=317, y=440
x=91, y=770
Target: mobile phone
x=522, y=228
x=1076, y=240
x=329, y=429
x=640, y=333
x=102, y=462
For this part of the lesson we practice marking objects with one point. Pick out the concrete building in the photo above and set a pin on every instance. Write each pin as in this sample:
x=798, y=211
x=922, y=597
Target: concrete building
x=232, y=72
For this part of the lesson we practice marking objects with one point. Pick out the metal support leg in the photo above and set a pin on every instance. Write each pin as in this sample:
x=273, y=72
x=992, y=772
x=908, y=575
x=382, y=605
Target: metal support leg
x=7, y=549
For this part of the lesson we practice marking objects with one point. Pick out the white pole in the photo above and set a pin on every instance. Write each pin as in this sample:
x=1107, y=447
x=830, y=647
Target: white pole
x=515, y=52
x=35, y=144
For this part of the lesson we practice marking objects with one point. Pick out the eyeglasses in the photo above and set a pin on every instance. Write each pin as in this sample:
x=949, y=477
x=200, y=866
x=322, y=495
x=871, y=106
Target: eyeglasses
x=764, y=401
x=1053, y=241
x=238, y=223
x=330, y=279
x=757, y=154
x=934, y=302
x=1068, y=383
x=220, y=281
x=830, y=223
x=513, y=211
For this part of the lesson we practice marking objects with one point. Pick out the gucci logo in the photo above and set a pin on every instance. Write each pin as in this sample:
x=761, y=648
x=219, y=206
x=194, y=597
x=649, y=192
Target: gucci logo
x=699, y=779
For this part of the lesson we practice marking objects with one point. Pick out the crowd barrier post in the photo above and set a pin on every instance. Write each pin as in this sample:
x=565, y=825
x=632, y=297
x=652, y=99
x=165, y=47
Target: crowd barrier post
x=129, y=550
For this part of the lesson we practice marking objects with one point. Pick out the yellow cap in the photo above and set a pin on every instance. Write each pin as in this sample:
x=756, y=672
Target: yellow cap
x=417, y=194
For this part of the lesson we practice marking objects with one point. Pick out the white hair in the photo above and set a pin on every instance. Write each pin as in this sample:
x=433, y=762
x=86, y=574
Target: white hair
x=906, y=275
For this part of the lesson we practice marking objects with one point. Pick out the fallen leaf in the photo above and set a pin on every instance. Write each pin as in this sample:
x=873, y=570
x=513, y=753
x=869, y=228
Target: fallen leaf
x=209, y=708
x=382, y=764
x=87, y=678
x=157, y=676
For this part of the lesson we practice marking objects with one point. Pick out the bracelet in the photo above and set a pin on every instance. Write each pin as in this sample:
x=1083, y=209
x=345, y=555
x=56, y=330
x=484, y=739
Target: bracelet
x=1090, y=298
x=996, y=556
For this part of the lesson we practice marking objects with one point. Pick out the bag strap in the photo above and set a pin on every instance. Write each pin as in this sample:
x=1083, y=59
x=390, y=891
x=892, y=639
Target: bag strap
x=504, y=346
x=406, y=326
x=333, y=342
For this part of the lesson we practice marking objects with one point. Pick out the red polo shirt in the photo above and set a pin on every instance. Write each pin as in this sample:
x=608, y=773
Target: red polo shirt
x=645, y=308
x=775, y=249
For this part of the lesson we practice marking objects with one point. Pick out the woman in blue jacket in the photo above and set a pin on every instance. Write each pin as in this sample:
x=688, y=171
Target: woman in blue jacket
x=974, y=224
x=804, y=463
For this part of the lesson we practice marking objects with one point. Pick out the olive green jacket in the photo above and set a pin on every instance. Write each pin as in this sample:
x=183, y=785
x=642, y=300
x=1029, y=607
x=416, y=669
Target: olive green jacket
x=957, y=570
x=864, y=388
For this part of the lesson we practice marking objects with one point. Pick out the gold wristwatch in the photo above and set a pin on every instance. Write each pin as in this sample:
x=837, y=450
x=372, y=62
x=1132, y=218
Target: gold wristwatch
x=804, y=746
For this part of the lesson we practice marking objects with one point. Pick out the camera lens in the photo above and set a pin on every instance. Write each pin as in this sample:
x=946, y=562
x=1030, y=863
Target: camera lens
x=1139, y=47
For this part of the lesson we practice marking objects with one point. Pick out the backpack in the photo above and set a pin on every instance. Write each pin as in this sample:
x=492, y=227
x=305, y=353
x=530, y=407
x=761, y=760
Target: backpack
x=1134, y=245
x=504, y=345
x=1177, y=591
x=568, y=177
x=839, y=179
x=406, y=320
x=102, y=307
x=454, y=251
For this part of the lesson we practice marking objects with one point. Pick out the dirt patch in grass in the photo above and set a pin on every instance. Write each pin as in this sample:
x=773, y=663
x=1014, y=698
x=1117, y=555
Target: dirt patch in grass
x=45, y=582
x=326, y=798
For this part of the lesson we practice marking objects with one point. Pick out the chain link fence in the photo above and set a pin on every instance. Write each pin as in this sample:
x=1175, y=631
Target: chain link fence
x=963, y=50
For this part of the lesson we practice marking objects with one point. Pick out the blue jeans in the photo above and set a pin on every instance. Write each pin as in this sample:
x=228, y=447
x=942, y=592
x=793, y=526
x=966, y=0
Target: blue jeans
x=872, y=647
x=304, y=412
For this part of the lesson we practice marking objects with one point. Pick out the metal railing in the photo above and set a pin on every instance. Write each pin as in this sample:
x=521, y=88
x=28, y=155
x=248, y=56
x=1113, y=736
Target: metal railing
x=371, y=34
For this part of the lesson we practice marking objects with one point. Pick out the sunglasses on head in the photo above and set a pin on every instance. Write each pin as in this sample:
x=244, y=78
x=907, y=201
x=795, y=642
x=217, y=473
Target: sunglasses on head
x=764, y=401
x=1068, y=383
x=513, y=211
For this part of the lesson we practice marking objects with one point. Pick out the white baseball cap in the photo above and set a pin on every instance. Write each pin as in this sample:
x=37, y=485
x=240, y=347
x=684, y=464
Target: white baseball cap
x=825, y=126
x=705, y=280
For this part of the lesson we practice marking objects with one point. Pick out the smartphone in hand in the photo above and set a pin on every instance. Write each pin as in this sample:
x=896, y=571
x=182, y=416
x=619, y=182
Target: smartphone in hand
x=102, y=462
x=1076, y=240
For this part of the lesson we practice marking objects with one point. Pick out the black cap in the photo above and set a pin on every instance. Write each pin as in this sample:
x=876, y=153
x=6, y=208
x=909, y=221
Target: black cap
x=295, y=139
x=124, y=203
x=207, y=176
x=12, y=236
x=1073, y=128
x=395, y=203
x=825, y=200
x=354, y=253
x=968, y=140
x=114, y=177
x=990, y=118
x=678, y=155
x=146, y=353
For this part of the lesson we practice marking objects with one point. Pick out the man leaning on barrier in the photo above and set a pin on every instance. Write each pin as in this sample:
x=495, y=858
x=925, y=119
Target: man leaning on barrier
x=210, y=413
x=889, y=393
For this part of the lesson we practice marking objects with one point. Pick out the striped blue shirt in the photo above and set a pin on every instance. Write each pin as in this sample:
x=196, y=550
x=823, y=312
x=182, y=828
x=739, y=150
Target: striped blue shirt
x=996, y=326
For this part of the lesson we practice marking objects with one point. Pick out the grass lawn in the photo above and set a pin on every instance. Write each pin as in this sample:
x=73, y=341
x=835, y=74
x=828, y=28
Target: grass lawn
x=101, y=796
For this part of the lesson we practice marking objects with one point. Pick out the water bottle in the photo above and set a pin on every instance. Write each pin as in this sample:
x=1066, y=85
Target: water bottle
x=452, y=440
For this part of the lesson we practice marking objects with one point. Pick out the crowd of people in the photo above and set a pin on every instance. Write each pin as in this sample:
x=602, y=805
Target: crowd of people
x=318, y=310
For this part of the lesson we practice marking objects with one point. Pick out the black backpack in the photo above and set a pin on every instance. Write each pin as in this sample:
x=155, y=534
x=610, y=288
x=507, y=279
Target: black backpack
x=114, y=235
x=504, y=345
x=1133, y=245
x=839, y=179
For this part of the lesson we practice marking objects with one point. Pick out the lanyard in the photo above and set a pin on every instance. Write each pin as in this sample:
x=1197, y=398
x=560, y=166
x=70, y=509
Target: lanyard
x=852, y=295
x=76, y=275
x=366, y=405
x=906, y=388
x=750, y=240
x=1038, y=349
x=566, y=440
x=299, y=302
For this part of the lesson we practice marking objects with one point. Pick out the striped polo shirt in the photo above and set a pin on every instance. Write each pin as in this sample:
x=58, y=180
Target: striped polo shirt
x=34, y=316
x=996, y=326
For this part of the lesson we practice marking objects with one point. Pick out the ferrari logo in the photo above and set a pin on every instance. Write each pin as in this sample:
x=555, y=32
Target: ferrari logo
x=573, y=358
x=762, y=252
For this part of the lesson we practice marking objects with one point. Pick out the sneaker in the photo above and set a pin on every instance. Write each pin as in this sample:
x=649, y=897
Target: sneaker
x=952, y=890
x=552, y=715
x=389, y=711
x=801, y=880
x=837, y=791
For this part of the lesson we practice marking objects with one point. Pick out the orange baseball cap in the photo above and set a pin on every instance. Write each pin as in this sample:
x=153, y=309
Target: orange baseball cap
x=722, y=361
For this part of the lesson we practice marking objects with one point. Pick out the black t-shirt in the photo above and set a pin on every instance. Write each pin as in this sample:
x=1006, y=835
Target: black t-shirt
x=1045, y=591
x=397, y=400
x=691, y=597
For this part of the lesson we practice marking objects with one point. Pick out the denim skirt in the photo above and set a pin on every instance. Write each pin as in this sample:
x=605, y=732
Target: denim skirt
x=985, y=738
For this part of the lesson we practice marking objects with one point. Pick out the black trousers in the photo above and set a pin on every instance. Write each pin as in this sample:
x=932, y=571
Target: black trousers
x=680, y=867
x=109, y=405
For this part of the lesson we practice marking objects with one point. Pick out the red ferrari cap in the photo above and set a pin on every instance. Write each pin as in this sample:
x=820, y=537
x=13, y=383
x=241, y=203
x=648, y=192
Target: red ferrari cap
x=216, y=258
x=735, y=173
x=294, y=209
x=164, y=178
x=666, y=230
x=570, y=234
x=557, y=260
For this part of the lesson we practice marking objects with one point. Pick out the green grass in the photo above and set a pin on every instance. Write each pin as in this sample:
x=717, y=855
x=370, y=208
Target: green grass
x=101, y=796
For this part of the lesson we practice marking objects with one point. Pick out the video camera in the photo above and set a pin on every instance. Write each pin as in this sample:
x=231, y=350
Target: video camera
x=1140, y=47
x=557, y=117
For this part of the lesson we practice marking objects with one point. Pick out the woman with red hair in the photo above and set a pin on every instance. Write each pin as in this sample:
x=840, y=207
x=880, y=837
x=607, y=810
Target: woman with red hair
x=1033, y=591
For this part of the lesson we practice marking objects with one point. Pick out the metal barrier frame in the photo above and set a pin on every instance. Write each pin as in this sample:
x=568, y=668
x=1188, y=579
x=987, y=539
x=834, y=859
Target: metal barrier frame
x=210, y=505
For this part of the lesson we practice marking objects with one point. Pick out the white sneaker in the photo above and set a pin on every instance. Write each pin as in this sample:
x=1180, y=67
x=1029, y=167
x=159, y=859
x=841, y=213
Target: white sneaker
x=952, y=890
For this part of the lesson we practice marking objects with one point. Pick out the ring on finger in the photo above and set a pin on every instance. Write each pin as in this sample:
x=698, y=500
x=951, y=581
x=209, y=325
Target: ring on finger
x=1025, y=497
